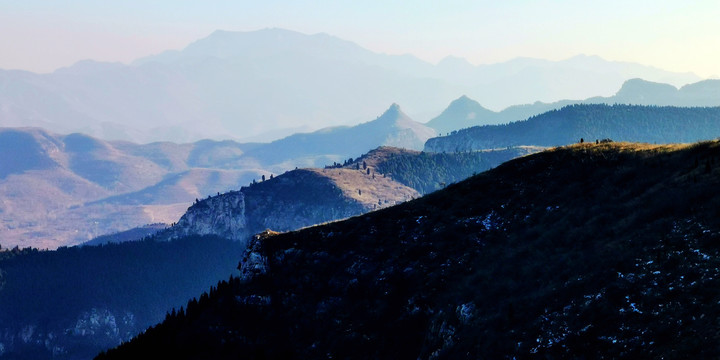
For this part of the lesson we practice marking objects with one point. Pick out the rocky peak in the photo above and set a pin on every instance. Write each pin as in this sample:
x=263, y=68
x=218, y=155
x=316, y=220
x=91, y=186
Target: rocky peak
x=296, y=199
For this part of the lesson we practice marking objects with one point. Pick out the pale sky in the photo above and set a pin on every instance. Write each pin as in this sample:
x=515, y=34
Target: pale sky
x=43, y=35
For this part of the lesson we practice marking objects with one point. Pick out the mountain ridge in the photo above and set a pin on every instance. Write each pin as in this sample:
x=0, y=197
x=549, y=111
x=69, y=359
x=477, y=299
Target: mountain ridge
x=166, y=266
x=509, y=263
x=296, y=80
x=392, y=128
x=632, y=92
x=60, y=190
x=659, y=124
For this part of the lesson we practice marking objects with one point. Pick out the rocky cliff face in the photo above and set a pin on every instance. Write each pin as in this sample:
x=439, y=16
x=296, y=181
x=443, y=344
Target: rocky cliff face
x=291, y=201
x=222, y=215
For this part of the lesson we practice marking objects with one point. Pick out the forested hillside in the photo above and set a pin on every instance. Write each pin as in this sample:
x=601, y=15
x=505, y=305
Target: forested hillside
x=590, y=251
x=73, y=302
x=464, y=112
x=427, y=172
x=651, y=124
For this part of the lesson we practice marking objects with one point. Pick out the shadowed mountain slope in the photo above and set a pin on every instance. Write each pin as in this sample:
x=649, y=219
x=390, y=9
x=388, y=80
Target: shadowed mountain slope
x=596, y=251
x=464, y=112
x=653, y=124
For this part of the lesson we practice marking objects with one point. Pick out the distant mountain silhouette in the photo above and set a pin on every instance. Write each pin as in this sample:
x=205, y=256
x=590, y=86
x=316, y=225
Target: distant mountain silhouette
x=651, y=124
x=461, y=113
x=58, y=190
x=392, y=128
x=246, y=84
x=633, y=91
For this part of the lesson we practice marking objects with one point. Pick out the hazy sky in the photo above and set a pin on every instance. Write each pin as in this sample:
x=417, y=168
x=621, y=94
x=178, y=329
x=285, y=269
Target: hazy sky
x=42, y=35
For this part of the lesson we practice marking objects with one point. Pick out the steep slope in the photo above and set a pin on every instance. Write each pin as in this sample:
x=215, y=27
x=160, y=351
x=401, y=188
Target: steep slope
x=590, y=122
x=383, y=177
x=427, y=172
x=290, y=201
x=588, y=251
x=392, y=128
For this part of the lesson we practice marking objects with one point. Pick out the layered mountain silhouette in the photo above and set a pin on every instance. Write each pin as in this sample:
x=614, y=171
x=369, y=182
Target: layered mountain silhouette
x=383, y=177
x=594, y=251
x=74, y=302
x=66, y=189
x=591, y=122
x=258, y=84
x=59, y=190
x=392, y=128
x=465, y=112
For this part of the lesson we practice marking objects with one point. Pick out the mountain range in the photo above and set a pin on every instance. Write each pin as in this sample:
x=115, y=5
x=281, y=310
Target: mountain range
x=73, y=302
x=60, y=190
x=257, y=85
x=303, y=197
x=356, y=238
x=315, y=149
x=588, y=251
x=65, y=189
x=465, y=112
x=591, y=122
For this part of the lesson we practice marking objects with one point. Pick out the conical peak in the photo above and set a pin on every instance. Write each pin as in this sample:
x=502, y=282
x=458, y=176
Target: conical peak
x=465, y=102
x=392, y=111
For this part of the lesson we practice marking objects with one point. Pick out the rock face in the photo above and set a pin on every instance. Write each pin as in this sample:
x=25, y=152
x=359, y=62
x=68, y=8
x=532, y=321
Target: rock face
x=222, y=215
x=290, y=201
